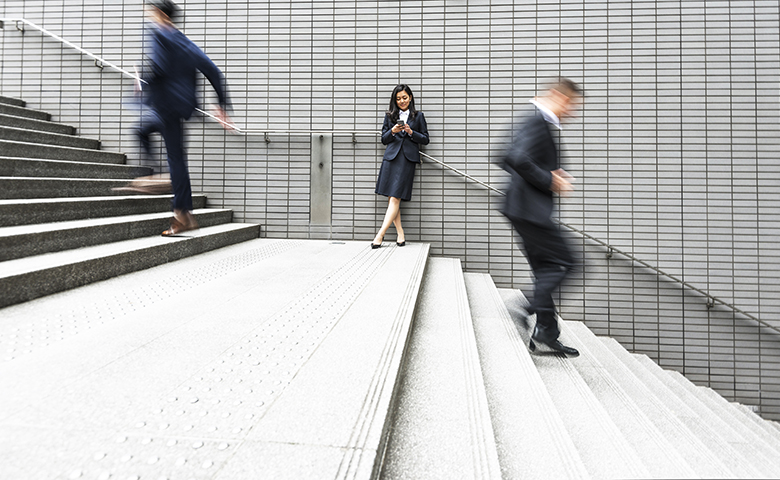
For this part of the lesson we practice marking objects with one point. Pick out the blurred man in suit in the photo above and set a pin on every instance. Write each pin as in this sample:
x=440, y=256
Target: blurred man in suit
x=171, y=97
x=536, y=176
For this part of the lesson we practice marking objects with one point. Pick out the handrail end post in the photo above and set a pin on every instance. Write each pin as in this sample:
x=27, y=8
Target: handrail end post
x=20, y=28
x=610, y=251
x=266, y=137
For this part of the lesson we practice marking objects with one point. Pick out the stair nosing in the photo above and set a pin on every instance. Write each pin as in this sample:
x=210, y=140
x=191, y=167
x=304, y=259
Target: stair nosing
x=481, y=425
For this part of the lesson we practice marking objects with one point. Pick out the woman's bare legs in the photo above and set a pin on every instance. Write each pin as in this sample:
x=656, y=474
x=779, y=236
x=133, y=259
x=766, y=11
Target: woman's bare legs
x=399, y=230
x=393, y=215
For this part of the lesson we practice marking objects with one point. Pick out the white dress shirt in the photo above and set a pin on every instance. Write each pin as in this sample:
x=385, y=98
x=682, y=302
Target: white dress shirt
x=548, y=114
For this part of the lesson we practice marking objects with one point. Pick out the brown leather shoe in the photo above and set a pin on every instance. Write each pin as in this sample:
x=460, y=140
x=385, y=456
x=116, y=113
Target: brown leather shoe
x=186, y=224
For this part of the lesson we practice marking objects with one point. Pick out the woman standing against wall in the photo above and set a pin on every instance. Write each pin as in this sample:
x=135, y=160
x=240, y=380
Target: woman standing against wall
x=403, y=131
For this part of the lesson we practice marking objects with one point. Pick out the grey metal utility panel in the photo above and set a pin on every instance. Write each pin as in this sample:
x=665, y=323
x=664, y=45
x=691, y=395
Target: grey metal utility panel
x=321, y=178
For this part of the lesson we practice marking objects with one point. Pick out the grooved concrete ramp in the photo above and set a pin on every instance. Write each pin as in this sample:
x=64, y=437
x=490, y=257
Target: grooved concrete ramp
x=270, y=359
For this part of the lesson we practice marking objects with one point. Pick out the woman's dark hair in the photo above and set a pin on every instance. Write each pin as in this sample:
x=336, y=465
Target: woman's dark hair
x=394, y=111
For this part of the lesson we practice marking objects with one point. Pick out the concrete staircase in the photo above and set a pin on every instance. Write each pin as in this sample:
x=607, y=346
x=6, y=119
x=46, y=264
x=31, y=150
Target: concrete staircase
x=62, y=225
x=314, y=359
x=605, y=414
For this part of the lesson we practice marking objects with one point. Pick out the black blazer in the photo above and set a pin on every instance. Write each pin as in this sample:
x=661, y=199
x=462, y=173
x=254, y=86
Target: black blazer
x=402, y=140
x=530, y=160
x=171, y=74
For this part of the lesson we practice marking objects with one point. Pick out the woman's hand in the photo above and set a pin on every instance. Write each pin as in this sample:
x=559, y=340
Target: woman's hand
x=396, y=128
x=407, y=128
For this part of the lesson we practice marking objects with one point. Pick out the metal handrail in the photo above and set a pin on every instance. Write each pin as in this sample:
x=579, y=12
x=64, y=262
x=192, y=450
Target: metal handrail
x=611, y=250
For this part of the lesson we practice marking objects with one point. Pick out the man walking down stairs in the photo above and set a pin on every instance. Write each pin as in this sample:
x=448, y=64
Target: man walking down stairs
x=61, y=223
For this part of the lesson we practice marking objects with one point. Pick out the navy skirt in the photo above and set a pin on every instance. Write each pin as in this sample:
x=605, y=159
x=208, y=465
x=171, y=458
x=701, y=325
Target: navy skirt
x=396, y=178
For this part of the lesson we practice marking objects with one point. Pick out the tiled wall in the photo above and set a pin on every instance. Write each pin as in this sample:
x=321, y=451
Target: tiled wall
x=675, y=151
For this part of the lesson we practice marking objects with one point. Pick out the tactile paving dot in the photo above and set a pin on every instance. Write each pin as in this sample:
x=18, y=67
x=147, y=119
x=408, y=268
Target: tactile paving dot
x=44, y=331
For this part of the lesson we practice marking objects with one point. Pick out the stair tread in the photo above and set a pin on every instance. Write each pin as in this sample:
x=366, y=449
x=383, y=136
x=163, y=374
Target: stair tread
x=92, y=222
x=61, y=152
x=652, y=431
x=714, y=411
x=725, y=444
x=45, y=261
x=52, y=168
x=602, y=446
x=531, y=437
x=442, y=424
x=37, y=125
x=47, y=138
x=732, y=413
x=766, y=431
x=12, y=101
x=25, y=112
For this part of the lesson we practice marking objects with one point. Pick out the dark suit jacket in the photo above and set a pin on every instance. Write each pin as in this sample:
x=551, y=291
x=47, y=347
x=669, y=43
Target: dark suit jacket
x=402, y=140
x=174, y=62
x=530, y=160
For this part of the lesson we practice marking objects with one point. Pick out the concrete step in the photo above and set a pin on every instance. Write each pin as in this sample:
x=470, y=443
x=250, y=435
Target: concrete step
x=759, y=422
x=47, y=210
x=441, y=426
x=732, y=414
x=12, y=101
x=18, y=111
x=37, y=125
x=51, y=152
x=29, y=240
x=604, y=449
x=32, y=277
x=730, y=450
x=39, y=187
x=710, y=412
x=269, y=359
x=714, y=412
x=532, y=439
x=774, y=425
x=34, y=167
x=659, y=439
x=47, y=138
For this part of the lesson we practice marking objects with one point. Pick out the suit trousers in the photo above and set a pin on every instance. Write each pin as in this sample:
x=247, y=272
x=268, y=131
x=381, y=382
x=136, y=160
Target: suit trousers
x=551, y=260
x=172, y=130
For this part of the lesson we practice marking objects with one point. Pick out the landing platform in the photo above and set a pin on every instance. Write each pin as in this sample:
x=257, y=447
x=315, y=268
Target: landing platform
x=268, y=359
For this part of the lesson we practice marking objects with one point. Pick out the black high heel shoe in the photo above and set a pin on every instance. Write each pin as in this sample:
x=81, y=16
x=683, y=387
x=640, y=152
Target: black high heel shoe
x=374, y=246
x=401, y=244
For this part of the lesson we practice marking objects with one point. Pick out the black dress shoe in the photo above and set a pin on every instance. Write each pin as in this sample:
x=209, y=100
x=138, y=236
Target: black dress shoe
x=401, y=244
x=555, y=346
x=375, y=246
